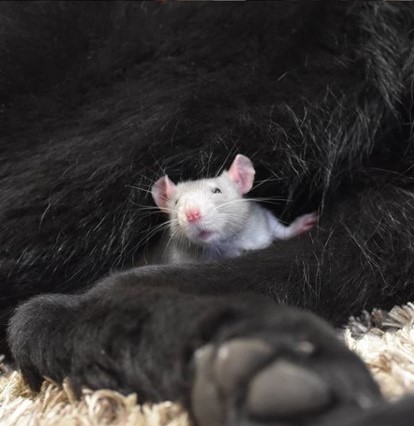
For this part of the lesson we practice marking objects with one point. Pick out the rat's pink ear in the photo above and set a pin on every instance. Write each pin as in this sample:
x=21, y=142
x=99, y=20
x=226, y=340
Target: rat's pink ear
x=161, y=191
x=242, y=172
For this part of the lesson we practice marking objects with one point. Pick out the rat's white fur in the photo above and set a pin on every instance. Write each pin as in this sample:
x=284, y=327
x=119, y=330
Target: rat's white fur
x=229, y=224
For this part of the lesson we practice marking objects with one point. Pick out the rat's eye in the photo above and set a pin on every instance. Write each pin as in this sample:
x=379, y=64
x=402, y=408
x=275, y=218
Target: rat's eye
x=216, y=191
x=176, y=201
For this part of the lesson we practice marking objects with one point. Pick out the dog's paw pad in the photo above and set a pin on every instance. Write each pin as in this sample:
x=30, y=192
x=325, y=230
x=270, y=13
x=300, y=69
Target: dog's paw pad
x=284, y=390
x=237, y=359
x=245, y=381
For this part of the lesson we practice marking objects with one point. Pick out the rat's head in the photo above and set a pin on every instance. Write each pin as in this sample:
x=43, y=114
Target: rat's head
x=206, y=211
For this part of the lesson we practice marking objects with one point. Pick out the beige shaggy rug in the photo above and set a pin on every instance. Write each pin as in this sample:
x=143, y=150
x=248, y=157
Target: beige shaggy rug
x=384, y=340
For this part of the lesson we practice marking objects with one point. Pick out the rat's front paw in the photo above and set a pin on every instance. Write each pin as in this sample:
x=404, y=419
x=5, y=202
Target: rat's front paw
x=305, y=223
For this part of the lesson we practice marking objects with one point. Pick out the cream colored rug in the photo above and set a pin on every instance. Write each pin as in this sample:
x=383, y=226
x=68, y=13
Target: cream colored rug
x=384, y=340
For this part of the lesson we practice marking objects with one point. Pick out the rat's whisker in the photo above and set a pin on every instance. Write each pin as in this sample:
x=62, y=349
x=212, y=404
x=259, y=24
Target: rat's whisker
x=153, y=208
x=161, y=227
x=239, y=200
x=172, y=237
x=146, y=238
x=146, y=190
x=264, y=181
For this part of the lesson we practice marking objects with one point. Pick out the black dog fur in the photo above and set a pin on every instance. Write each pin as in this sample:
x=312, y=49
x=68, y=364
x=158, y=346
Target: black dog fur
x=100, y=98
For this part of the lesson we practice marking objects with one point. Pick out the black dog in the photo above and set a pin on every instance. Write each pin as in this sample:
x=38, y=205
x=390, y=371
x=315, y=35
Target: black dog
x=99, y=99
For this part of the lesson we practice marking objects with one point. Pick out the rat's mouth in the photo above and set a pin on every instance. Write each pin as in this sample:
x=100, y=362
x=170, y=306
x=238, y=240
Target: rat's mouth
x=205, y=235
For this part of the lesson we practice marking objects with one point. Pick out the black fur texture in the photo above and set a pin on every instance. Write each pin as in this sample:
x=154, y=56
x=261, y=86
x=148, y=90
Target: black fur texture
x=100, y=98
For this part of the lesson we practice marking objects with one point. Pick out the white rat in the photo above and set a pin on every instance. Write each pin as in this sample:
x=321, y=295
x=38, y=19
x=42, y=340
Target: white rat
x=210, y=219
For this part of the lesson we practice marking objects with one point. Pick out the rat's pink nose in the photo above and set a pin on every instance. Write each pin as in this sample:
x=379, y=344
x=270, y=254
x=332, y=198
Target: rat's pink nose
x=193, y=215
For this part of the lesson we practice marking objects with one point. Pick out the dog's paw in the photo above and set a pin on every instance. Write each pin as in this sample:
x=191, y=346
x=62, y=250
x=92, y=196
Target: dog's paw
x=248, y=381
x=273, y=389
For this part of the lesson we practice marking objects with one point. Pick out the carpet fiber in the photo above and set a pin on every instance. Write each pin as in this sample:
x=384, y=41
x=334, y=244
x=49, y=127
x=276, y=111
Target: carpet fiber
x=385, y=340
